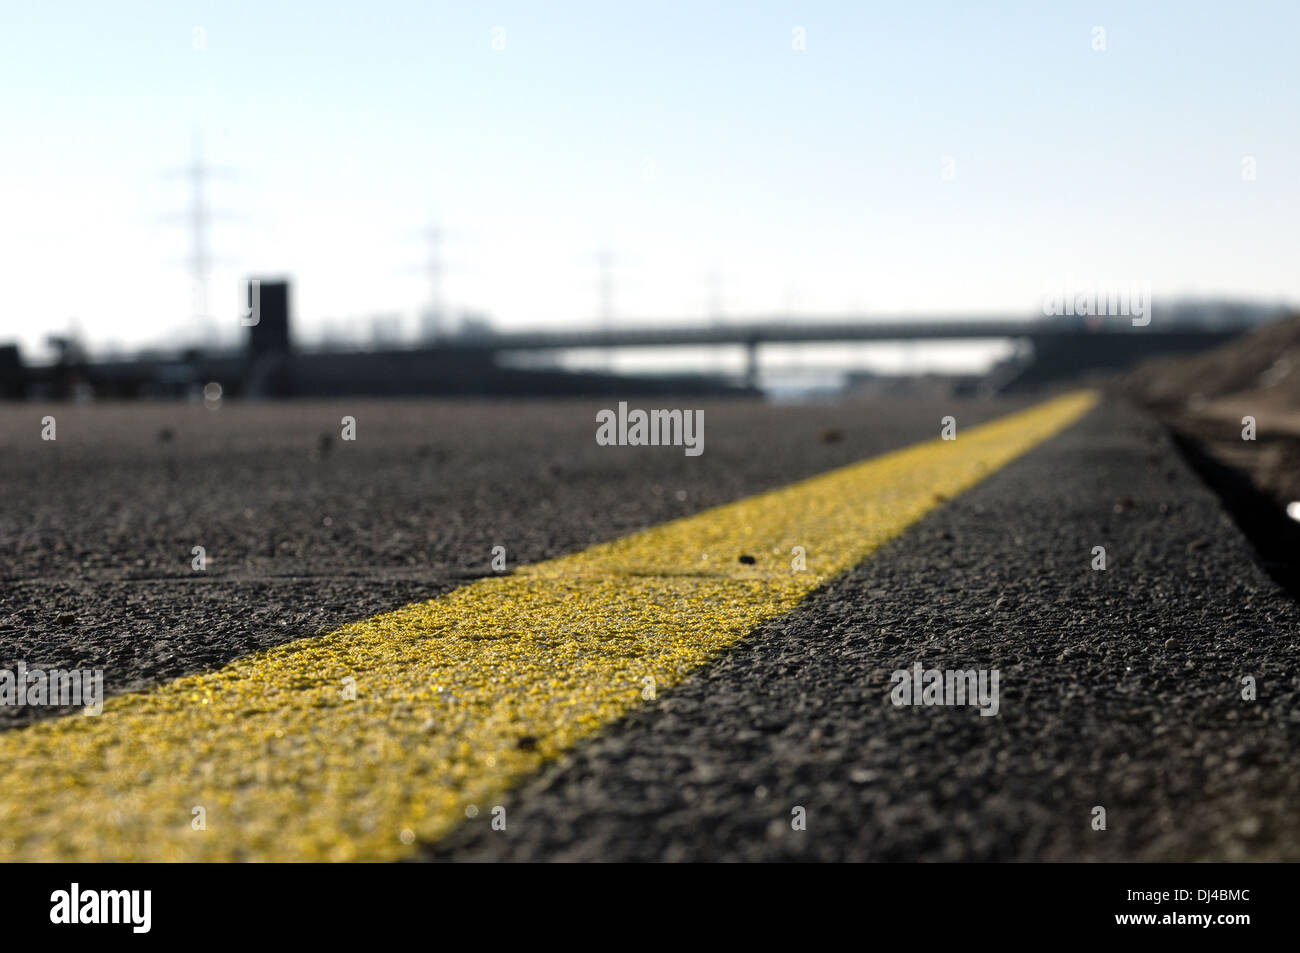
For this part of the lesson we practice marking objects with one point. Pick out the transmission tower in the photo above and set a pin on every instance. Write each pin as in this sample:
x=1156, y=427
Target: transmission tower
x=713, y=306
x=198, y=219
x=605, y=297
x=432, y=326
x=605, y=288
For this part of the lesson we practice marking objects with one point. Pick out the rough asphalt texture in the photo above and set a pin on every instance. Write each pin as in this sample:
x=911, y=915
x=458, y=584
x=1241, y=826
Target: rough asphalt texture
x=304, y=531
x=1096, y=710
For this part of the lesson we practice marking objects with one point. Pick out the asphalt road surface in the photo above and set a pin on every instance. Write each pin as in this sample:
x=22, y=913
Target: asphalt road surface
x=303, y=531
x=1099, y=708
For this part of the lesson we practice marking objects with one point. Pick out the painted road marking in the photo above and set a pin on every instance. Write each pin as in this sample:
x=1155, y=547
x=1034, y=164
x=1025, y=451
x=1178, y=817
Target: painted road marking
x=459, y=698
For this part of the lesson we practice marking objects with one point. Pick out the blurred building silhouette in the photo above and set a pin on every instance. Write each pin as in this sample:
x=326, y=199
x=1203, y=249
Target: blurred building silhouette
x=271, y=367
x=12, y=376
x=269, y=336
x=270, y=362
x=471, y=362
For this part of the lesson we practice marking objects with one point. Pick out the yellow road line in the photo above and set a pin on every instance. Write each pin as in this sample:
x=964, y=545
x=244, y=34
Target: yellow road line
x=460, y=697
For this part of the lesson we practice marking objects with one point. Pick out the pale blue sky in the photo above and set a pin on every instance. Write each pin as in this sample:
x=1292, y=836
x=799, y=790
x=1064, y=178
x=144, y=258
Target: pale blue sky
x=690, y=141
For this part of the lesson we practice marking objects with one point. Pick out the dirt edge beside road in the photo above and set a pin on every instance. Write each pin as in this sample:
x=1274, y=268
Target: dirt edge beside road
x=1234, y=413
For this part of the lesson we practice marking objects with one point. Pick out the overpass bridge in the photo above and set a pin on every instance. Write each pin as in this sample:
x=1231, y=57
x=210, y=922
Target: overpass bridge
x=1062, y=347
